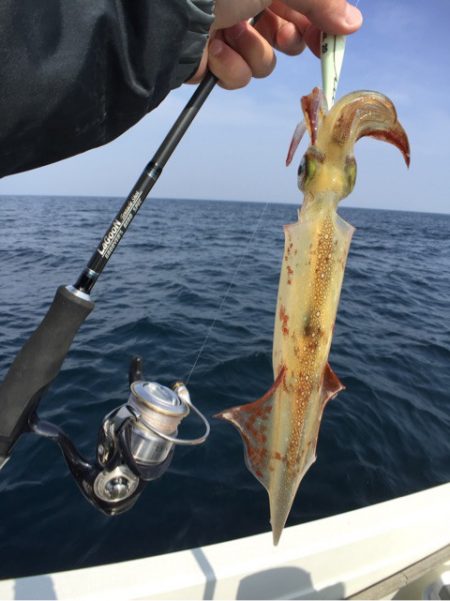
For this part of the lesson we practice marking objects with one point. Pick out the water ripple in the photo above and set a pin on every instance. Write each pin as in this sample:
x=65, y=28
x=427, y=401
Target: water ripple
x=170, y=291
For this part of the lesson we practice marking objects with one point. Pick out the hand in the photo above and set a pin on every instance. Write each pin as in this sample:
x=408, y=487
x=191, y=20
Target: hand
x=237, y=52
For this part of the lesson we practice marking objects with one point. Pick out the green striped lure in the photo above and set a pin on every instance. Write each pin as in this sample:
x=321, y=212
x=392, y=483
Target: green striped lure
x=332, y=49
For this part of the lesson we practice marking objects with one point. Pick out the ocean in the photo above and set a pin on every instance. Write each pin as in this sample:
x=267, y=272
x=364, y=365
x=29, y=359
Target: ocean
x=193, y=284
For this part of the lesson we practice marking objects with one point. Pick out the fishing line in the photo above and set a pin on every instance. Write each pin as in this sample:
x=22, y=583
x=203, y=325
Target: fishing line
x=230, y=285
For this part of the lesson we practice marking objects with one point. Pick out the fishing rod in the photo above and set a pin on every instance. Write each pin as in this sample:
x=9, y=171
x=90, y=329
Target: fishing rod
x=136, y=441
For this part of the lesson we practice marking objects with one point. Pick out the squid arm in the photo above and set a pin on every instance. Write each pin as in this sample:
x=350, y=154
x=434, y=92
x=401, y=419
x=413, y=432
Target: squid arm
x=280, y=430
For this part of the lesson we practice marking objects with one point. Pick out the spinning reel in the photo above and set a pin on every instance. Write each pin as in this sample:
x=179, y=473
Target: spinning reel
x=135, y=445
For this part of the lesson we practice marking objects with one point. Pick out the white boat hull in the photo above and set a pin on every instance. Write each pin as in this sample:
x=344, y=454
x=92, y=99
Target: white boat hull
x=331, y=558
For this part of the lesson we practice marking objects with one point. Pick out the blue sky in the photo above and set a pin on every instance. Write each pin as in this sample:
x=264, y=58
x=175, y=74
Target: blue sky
x=236, y=148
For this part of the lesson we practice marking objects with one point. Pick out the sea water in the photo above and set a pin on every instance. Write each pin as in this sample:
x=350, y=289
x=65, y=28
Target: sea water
x=194, y=276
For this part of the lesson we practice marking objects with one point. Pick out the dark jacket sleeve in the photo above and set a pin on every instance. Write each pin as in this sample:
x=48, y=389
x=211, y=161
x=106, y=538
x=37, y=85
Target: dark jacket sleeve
x=75, y=74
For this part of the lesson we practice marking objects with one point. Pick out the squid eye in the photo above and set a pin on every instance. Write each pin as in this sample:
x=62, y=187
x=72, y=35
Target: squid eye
x=301, y=173
x=306, y=171
x=302, y=167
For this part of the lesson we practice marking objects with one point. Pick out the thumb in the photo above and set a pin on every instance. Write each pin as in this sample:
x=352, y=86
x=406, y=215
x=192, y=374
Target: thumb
x=332, y=16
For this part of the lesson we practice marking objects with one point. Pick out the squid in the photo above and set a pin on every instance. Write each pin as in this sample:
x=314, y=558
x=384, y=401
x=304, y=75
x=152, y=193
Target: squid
x=280, y=429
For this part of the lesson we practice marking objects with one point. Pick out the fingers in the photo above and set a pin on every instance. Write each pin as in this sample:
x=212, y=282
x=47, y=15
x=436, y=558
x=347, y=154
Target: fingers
x=317, y=20
x=332, y=16
x=227, y=65
x=252, y=47
x=237, y=54
x=286, y=35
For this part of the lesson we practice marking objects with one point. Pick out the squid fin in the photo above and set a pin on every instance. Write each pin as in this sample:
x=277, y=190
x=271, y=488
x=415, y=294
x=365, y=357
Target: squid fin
x=331, y=385
x=251, y=422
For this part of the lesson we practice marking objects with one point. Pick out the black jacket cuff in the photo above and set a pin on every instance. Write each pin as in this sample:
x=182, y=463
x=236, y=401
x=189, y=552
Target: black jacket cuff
x=201, y=17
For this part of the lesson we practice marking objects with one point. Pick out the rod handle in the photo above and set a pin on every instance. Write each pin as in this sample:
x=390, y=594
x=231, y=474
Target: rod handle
x=38, y=363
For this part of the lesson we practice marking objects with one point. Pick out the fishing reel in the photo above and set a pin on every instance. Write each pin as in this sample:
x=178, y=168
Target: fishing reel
x=135, y=445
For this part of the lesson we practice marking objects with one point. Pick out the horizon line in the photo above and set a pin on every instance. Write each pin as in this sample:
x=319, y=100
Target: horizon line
x=187, y=199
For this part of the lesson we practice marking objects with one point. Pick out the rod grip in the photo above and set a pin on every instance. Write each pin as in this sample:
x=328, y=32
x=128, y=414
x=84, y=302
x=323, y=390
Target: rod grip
x=38, y=363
